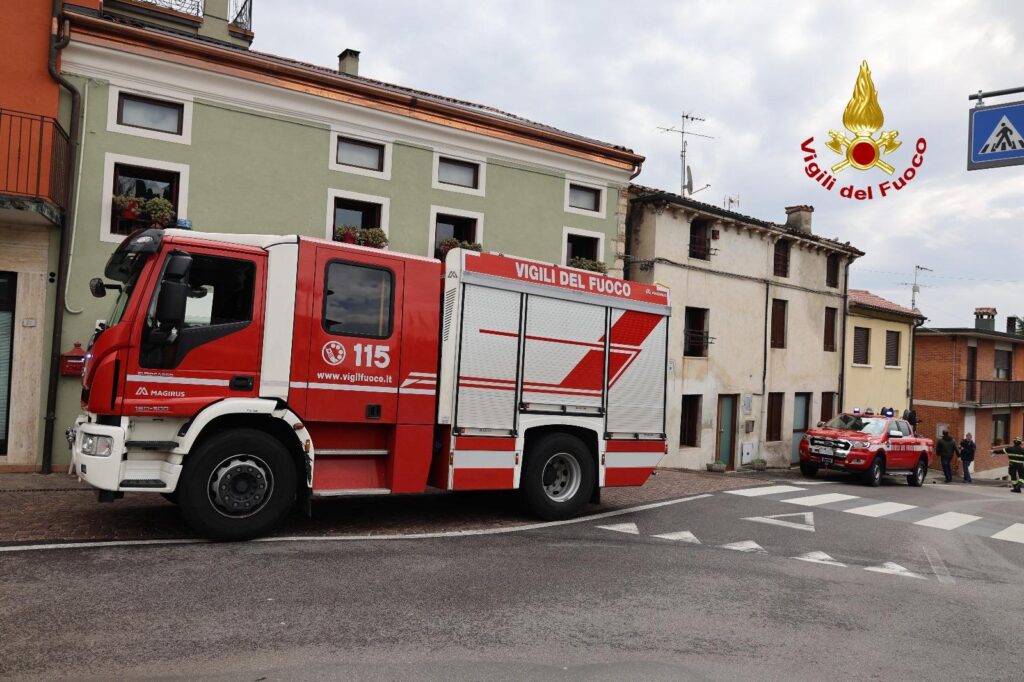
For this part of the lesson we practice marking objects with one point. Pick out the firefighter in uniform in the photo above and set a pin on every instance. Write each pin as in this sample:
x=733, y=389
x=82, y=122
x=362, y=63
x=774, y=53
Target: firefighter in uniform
x=1016, y=455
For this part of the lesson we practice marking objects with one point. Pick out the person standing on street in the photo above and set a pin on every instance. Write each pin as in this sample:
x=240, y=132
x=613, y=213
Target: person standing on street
x=1016, y=454
x=967, y=448
x=946, y=448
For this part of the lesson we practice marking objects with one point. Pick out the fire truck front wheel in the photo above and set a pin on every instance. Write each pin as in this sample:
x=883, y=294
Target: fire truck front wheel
x=558, y=477
x=237, y=485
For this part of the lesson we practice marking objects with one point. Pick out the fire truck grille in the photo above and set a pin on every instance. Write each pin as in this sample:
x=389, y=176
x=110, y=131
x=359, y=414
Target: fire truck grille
x=840, y=447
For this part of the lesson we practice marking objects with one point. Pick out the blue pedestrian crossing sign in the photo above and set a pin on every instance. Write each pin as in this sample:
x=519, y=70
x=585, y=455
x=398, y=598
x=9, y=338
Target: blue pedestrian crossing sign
x=994, y=136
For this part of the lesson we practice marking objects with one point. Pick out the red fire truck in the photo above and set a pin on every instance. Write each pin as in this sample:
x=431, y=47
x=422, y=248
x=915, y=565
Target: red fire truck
x=238, y=374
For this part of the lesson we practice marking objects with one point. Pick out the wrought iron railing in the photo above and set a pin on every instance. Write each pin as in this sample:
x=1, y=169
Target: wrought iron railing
x=241, y=14
x=34, y=156
x=695, y=343
x=992, y=392
x=193, y=7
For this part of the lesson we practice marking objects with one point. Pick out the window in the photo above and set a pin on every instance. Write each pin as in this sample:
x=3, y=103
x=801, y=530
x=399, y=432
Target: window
x=828, y=405
x=700, y=239
x=774, y=416
x=782, y=258
x=689, y=423
x=832, y=271
x=150, y=114
x=892, y=349
x=861, y=346
x=584, y=198
x=1000, y=428
x=461, y=173
x=904, y=428
x=830, y=329
x=360, y=154
x=355, y=213
x=1003, y=364
x=144, y=184
x=695, y=332
x=581, y=246
x=778, y=323
x=460, y=228
x=358, y=300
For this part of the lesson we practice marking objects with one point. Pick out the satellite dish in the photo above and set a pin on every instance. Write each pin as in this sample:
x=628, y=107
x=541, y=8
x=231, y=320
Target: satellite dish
x=689, y=181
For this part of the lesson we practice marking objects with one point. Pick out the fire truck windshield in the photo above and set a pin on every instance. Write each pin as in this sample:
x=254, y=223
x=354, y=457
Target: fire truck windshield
x=854, y=422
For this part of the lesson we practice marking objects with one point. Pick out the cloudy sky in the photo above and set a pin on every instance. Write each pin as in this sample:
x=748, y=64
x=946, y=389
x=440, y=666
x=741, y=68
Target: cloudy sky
x=766, y=76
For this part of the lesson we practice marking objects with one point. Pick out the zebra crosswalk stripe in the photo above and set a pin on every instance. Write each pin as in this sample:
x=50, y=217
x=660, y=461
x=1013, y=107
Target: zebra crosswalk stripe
x=880, y=509
x=947, y=520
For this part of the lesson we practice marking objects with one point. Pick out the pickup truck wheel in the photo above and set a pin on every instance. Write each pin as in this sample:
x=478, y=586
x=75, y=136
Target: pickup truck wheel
x=558, y=477
x=808, y=470
x=874, y=475
x=917, y=478
x=237, y=485
x=170, y=497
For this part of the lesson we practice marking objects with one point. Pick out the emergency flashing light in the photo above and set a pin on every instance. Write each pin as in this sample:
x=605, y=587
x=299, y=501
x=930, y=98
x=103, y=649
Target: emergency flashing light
x=856, y=410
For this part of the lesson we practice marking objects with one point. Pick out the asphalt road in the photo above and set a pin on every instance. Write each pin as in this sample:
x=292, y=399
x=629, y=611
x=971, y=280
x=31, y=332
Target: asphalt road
x=599, y=599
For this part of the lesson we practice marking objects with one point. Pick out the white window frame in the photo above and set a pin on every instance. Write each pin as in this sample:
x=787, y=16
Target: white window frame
x=460, y=156
x=107, y=189
x=186, y=115
x=579, y=232
x=332, y=152
x=332, y=194
x=602, y=200
x=435, y=210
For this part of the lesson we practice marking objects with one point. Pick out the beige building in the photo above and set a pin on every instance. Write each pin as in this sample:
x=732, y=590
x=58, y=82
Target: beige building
x=755, y=341
x=879, y=352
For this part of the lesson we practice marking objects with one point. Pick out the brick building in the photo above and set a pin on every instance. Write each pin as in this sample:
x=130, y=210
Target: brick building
x=971, y=380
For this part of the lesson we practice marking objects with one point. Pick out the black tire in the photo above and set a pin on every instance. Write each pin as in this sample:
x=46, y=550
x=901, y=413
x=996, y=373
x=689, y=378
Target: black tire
x=917, y=478
x=808, y=470
x=558, y=478
x=171, y=497
x=873, y=476
x=239, y=461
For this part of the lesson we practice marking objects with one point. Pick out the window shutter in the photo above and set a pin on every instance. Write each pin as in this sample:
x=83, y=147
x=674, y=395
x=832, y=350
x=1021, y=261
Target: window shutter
x=830, y=329
x=828, y=409
x=774, y=416
x=832, y=271
x=861, y=345
x=778, y=323
x=782, y=258
x=892, y=349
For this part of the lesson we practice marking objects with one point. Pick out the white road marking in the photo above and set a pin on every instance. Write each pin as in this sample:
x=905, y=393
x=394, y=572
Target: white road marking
x=806, y=523
x=818, y=500
x=938, y=566
x=880, y=509
x=745, y=546
x=681, y=536
x=1014, y=533
x=819, y=558
x=894, y=569
x=623, y=528
x=947, y=520
x=766, y=490
x=802, y=483
x=365, y=538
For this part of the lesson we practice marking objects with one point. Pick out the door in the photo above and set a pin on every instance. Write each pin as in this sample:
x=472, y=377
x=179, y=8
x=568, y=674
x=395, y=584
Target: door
x=8, y=288
x=355, y=338
x=801, y=418
x=972, y=374
x=726, y=429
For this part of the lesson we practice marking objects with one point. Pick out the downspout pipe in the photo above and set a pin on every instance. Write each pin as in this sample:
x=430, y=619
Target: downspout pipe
x=58, y=41
x=842, y=350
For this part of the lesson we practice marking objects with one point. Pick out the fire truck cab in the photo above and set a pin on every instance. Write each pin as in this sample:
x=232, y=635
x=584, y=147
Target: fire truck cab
x=237, y=374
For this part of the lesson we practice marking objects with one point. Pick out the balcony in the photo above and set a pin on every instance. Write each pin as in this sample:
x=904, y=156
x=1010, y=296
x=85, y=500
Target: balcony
x=34, y=156
x=240, y=15
x=991, y=393
x=190, y=7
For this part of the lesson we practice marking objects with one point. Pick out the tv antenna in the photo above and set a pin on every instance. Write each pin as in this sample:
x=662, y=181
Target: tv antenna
x=730, y=201
x=915, y=288
x=685, y=174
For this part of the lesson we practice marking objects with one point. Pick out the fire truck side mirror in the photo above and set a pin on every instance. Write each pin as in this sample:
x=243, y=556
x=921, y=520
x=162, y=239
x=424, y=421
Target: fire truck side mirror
x=174, y=290
x=96, y=287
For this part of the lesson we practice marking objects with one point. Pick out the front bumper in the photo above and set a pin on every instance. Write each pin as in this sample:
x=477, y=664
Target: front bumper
x=121, y=469
x=853, y=461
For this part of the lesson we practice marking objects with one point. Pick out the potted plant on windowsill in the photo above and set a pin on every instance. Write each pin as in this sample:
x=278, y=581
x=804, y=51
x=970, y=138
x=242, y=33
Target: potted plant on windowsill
x=130, y=207
x=446, y=245
x=716, y=466
x=760, y=464
x=374, y=237
x=159, y=212
x=346, y=234
x=581, y=263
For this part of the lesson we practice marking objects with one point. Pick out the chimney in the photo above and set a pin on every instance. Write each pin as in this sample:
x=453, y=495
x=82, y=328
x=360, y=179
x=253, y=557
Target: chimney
x=985, y=319
x=1013, y=325
x=348, y=62
x=799, y=217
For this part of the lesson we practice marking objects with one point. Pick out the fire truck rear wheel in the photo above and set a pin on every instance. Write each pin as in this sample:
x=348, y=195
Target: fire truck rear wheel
x=237, y=485
x=558, y=477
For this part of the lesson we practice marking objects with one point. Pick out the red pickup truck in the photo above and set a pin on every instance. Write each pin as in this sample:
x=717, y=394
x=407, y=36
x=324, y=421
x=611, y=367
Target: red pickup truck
x=871, y=446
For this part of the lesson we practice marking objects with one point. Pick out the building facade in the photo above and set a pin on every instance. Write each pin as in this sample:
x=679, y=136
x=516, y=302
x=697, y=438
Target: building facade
x=971, y=380
x=175, y=107
x=755, y=341
x=879, y=352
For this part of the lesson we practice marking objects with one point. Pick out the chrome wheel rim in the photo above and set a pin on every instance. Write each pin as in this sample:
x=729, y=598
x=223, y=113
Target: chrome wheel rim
x=240, y=486
x=561, y=477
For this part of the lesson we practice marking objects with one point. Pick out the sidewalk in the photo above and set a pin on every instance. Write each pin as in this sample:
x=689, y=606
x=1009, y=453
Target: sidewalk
x=57, y=508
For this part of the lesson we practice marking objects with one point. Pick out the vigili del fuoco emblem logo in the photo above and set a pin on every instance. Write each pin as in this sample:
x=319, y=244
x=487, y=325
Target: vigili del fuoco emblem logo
x=862, y=149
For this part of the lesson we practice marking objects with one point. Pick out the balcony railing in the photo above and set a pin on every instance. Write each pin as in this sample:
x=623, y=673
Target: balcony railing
x=34, y=156
x=193, y=7
x=992, y=392
x=241, y=14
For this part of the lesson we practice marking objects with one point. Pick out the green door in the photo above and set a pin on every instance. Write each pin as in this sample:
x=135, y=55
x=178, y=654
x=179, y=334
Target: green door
x=801, y=419
x=726, y=428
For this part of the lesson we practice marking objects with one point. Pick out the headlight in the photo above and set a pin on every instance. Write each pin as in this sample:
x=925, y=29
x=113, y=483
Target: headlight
x=861, y=444
x=97, y=446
